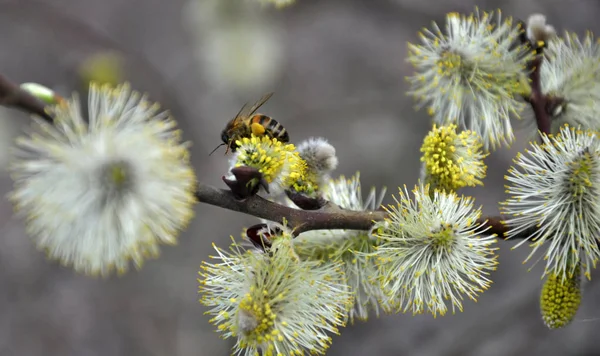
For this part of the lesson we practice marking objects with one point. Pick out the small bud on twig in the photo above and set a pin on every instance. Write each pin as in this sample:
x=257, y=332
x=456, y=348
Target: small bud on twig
x=247, y=181
x=259, y=235
x=43, y=93
x=305, y=202
x=11, y=95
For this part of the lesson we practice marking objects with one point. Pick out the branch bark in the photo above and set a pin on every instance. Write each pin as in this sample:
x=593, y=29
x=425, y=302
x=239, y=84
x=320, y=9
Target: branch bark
x=11, y=95
x=538, y=101
x=298, y=220
x=325, y=218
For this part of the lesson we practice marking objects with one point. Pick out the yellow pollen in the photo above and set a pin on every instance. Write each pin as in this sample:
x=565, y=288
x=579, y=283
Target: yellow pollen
x=301, y=178
x=266, y=154
x=581, y=171
x=443, y=238
x=453, y=160
x=450, y=64
x=264, y=317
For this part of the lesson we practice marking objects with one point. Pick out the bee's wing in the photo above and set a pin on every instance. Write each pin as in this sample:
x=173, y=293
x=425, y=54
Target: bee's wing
x=242, y=113
x=247, y=111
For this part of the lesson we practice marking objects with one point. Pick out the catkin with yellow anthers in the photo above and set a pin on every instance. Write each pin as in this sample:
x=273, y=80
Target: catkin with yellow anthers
x=560, y=299
x=562, y=172
x=271, y=301
x=476, y=86
x=300, y=177
x=268, y=155
x=452, y=160
x=432, y=252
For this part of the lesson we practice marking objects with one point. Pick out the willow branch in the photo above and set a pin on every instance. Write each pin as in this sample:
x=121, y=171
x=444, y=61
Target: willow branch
x=11, y=95
x=538, y=101
x=298, y=220
x=326, y=218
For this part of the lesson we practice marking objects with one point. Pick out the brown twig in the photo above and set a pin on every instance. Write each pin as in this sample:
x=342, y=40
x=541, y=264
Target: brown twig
x=497, y=226
x=538, y=101
x=11, y=95
x=299, y=220
x=306, y=220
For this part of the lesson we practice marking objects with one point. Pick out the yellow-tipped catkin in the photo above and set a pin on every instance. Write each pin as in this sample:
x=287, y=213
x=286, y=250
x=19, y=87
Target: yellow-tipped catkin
x=452, y=160
x=468, y=72
x=264, y=153
x=301, y=178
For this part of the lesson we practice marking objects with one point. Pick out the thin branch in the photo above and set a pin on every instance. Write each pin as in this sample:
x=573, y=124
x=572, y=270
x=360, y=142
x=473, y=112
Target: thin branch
x=11, y=95
x=306, y=220
x=299, y=220
x=538, y=101
x=543, y=106
x=497, y=226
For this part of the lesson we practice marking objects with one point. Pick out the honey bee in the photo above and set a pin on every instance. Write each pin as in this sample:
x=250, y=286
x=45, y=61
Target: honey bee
x=248, y=122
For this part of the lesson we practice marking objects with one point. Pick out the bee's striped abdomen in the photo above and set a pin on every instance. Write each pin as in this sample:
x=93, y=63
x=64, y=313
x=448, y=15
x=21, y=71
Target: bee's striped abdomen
x=280, y=133
x=272, y=127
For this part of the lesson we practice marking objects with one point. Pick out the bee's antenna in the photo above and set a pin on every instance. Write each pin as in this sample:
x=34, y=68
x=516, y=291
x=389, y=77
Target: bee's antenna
x=216, y=148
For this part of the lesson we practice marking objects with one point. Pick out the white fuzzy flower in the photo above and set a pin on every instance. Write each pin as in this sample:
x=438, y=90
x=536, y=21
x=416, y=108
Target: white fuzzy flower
x=570, y=73
x=99, y=194
x=273, y=302
x=349, y=246
x=318, y=154
x=470, y=74
x=320, y=160
x=555, y=199
x=432, y=250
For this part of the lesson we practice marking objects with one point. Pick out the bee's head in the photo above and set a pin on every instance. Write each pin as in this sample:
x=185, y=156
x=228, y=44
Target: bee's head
x=228, y=139
x=225, y=137
x=226, y=142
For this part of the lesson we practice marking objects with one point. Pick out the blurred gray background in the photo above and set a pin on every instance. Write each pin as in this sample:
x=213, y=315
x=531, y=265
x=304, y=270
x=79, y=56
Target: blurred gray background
x=337, y=68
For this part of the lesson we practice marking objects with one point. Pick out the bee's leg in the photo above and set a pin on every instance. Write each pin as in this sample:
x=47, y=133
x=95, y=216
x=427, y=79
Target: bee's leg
x=257, y=129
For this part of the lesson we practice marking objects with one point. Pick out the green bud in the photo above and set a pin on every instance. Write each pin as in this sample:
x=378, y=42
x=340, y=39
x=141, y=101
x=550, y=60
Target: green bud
x=560, y=299
x=41, y=92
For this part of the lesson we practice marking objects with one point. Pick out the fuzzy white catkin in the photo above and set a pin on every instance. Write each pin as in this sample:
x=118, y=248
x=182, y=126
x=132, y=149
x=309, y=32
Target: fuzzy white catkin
x=319, y=154
x=467, y=73
x=553, y=189
x=571, y=72
x=102, y=192
x=272, y=302
x=433, y=253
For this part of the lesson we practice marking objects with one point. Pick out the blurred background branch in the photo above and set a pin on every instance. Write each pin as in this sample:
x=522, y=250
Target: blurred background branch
x=12, y=96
